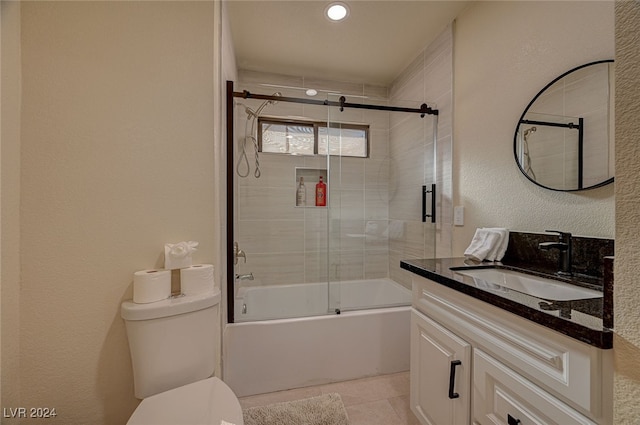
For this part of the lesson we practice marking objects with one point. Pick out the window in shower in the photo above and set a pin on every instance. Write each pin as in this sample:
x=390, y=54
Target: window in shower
x=344, y=140
x=288, y=137
x=296, y=137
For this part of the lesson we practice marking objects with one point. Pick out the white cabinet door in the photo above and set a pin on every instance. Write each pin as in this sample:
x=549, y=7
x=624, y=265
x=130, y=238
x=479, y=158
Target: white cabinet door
x=440, y=373
x=503, y=397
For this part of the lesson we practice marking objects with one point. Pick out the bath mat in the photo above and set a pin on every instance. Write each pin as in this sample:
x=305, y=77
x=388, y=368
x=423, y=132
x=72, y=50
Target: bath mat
x=326, y=409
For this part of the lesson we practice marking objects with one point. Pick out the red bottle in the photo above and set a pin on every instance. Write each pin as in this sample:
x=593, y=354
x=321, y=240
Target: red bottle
x=321, y=194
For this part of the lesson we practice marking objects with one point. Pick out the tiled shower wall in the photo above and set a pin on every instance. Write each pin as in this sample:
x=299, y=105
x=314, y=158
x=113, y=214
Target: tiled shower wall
x=374, y=219
x=288, y=244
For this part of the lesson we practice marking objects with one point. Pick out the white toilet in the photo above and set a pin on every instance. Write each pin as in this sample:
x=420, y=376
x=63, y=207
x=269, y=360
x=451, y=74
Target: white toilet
x=172, y=345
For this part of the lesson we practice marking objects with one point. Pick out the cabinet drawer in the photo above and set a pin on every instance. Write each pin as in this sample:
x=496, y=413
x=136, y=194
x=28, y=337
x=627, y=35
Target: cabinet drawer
x=501, y=396
x=569, y=369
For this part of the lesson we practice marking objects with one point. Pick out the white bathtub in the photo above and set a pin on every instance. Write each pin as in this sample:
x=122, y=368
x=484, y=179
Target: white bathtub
x=273, y=355
x=312, y=299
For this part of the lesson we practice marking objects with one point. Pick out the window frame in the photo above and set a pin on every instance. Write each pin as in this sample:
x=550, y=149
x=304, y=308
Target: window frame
x=316, y=125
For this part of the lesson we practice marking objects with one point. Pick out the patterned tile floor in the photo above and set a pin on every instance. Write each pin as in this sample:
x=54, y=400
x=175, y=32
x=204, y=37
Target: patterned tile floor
x=370, y=401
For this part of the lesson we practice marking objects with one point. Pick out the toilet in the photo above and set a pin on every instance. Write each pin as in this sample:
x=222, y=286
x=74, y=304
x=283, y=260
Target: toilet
x=172, y=344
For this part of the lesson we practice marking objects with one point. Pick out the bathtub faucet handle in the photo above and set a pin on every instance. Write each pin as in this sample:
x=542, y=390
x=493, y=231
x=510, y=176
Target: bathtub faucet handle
x=238, y=253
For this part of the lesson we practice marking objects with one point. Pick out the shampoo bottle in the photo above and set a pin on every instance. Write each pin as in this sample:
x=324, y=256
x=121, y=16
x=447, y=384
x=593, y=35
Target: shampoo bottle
x=301, y=194
x=321, y=194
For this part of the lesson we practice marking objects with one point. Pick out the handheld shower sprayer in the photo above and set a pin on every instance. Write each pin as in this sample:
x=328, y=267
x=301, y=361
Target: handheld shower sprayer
x=255, y=114
x=250, y=134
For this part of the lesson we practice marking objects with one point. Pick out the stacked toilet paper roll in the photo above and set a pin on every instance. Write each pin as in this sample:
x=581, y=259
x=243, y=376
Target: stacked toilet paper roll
x=151, y=285
x=197, y=279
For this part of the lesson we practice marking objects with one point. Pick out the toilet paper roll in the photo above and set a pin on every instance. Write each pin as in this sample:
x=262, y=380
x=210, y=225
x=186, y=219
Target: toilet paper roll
x=151, y=285
x=197, y=279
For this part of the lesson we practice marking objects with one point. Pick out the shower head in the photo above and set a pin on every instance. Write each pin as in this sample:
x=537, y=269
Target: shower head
x=257, y=112
x=278, y=94
x=529, y=130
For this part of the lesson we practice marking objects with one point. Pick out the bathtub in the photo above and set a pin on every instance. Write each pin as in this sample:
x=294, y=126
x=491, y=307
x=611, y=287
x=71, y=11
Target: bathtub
x=271, y=355
x=311, y=299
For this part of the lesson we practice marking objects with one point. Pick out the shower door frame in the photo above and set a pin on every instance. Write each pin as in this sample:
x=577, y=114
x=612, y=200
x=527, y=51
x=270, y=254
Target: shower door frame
x=230, y=184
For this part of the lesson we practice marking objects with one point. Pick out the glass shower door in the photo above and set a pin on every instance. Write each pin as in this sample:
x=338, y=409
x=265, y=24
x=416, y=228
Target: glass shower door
x=381, y=168
x=283, y=270
x=373, y=168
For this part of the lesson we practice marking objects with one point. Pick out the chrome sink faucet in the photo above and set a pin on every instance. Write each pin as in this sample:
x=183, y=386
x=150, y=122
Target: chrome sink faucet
x=563, y=245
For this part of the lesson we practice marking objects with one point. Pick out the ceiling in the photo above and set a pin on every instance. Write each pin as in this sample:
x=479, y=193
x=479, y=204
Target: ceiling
x=378, y=40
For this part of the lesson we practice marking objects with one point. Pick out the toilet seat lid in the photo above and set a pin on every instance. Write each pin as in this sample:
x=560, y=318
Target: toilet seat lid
x=206, y=402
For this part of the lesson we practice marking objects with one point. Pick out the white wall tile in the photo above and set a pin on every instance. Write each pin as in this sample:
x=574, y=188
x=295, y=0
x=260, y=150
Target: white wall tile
x=376, y=174
x=376, y=264
x=375, y=92
x=347, y=235
x=316, y=266
x=341, y=87
x=378, y=144
x=350, y=265
x=265, y=236
x=351, y=205
x=347, y=173
x=413, y=72
x=376, y=204
x=256, y=203
x=376, y=235
x=274, y=268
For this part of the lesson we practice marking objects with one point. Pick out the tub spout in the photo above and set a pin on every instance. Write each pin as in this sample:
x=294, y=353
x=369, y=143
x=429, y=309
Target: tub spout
x=248, y=276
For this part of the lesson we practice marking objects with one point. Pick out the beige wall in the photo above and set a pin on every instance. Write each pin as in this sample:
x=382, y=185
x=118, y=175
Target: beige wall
x=117, y=159
x=10, y=205
x=504, y=53
x=627, y=267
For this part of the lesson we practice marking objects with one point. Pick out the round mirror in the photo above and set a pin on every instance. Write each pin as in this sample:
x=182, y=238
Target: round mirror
x=564, y=138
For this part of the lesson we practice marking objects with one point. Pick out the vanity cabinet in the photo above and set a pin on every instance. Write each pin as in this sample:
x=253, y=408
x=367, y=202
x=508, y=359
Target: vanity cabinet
x=441, y=365
x=502, y=368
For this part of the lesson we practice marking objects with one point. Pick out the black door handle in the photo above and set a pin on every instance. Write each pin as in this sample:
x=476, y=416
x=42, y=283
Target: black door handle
x=452, y=378
x=433, y=203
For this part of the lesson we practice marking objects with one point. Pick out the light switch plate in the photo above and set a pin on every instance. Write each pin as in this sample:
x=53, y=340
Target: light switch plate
x=458, y=216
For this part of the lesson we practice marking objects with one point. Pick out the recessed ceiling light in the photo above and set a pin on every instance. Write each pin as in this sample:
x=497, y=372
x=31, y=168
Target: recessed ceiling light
x=337, y=11
x=311, y=92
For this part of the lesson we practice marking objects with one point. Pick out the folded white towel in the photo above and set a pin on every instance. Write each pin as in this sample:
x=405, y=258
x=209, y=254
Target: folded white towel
x=488, y=244
x=477, y=242
x=481, y=245
x=499, y=249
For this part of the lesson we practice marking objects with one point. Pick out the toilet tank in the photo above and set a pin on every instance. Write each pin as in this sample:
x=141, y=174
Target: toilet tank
x=172, y=342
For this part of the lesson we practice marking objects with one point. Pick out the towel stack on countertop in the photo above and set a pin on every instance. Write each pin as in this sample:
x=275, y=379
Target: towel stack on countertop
x=489, y=243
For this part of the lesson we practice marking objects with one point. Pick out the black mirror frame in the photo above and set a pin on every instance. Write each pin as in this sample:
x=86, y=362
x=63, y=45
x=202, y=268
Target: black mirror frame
x=515, y=137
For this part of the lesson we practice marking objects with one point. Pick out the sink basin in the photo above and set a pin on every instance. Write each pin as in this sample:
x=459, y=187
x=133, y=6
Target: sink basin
x=538, y=287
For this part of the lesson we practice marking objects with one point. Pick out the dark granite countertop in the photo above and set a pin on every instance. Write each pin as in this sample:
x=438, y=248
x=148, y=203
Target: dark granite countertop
x=579, y=319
